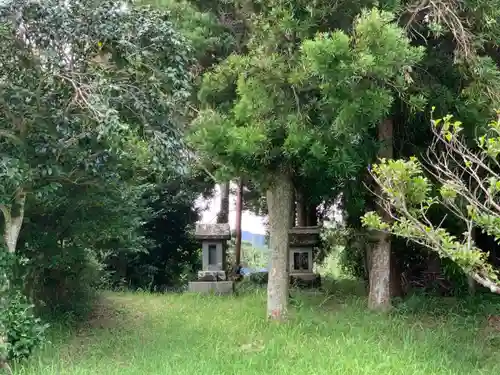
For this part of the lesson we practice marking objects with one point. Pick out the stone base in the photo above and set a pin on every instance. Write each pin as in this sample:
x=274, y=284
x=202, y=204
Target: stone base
x=211, y=287
x=305, y=280
x=212, y=275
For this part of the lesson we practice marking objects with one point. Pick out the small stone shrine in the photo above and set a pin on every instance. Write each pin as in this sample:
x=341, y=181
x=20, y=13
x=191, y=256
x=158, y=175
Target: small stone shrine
x=212, y=278
x=302, y=241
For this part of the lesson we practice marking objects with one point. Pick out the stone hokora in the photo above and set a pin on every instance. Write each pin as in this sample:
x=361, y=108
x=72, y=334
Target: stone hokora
x=212, y=278
x=302, y=242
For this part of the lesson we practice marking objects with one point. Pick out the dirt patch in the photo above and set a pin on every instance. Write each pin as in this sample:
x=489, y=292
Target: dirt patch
x=491, y=327
x=109, y=314
x=106, y=314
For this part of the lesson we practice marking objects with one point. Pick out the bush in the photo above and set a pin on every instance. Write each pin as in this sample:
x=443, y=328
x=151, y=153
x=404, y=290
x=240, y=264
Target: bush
x=23, y=330
x=172, y=255
x=64, y=280
x=259, y=278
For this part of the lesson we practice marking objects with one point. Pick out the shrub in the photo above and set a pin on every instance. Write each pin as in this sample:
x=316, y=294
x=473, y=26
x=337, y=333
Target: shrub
x=259, y=278
x=63, y=280
x=23, y=330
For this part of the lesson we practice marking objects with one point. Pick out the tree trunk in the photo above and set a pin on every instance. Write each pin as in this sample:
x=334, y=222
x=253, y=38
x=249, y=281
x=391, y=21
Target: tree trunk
x=471, y=285
x=301, y=209
x=239, y=209
x=223, y=215
x=13, y=220
x=312, y=215
x=396, y=285
x=380, y=286
x=279, y=201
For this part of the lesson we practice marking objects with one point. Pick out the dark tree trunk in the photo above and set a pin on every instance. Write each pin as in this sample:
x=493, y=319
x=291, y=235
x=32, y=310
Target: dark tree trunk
x=223, y=215
x=239, y=209
x=301, y=209
x=312, y=215
x=379, y=297
x=396, y=285
x=279, y=201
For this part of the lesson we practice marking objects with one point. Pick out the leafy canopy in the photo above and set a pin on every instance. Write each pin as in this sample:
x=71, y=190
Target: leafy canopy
x=91, y=91
x=304, y=110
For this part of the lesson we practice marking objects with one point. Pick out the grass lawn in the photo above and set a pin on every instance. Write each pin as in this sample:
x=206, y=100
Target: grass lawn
x=141, y=334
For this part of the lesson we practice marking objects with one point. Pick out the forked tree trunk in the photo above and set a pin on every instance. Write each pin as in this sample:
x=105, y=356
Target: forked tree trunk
x=379, y=297
x=13, y=219
x=279, y=202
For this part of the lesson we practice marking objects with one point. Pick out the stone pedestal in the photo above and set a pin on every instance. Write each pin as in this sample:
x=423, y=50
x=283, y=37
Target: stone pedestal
x=212, y=287
x=212, y=275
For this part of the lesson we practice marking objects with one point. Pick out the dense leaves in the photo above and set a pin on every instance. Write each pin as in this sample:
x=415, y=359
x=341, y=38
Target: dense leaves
x=172, y=255
x=80, y=100
x=304, y=117
x=88, y=105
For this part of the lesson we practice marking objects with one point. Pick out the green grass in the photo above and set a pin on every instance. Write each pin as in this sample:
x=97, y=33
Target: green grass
x=134, y=334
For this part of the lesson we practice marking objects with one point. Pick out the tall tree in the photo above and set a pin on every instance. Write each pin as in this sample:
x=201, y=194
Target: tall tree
x=92, y=93
x=295, y=106
x=458, y=75
x=379, y=297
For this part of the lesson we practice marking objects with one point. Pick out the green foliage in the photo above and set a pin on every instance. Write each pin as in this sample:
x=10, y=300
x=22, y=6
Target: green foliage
x=18, y=324
x=107, y=114
x=468, y=188
x=25, y=332
x=208, y=37
x=68, y=236
x=259, y=278
x=92, y=99
x=63, y=280
x=304, y=111
x=171, y=254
